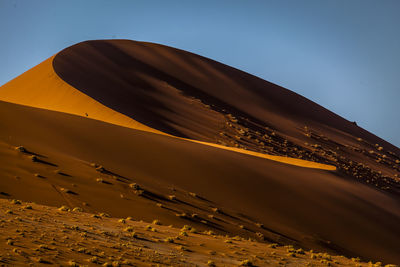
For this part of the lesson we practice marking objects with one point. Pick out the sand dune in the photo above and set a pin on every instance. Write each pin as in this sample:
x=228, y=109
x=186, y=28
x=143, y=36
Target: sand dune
x=308, y=207
x=158, y=85
x=41, y=87
x=149, y=131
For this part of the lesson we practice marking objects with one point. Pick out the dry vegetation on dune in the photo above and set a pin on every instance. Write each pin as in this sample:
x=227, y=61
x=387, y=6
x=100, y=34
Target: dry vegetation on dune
x=38, y=235
x=228, y=193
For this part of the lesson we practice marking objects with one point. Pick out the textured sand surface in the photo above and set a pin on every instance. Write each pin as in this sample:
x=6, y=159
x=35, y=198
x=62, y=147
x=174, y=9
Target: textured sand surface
x=212, y=188
x=40, y=235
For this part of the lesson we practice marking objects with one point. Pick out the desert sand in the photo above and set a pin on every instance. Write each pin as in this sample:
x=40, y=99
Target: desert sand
x=148, y=131
x=42, y=235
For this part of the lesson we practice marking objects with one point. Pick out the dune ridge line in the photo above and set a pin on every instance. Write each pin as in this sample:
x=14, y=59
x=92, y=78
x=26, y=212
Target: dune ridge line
x=57, y=95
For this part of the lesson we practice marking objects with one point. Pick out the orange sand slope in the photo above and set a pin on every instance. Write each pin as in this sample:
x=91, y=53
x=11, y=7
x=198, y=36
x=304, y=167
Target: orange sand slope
x=42, y=88
x=234, y=193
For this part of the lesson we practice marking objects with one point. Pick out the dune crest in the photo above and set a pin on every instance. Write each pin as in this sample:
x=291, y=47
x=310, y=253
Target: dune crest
x=41, y=87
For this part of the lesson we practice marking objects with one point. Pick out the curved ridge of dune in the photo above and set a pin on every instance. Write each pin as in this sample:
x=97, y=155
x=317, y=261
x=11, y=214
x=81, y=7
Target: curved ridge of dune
x=287, y=160
x=41, y=87
x=184, y=94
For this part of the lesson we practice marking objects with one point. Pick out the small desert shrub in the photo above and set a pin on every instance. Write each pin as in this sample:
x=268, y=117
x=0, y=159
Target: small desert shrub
x=94, y=259
x=40, y=260
x=77, y=209
x=273, y=245
x=181, y=215
x=9, y=212
x=189, y=228
x=327, y=263
x=156, y=222
x=21, y=149
x=10, y=242
x=169, y=239
x=183, y=248
x=260, y=225
x=325, y=256
x=260, y=236
x=300, y=251
x=216, y=210
x=28, y=207
x=134, y=186
x=209, y=232
x=63, y=208
x=43, y=246
x=121, y=221
x=134, y=235
x=246, y=263
x=100, y=169
x=66, y=190
x=237, y=238
x=172, y=197
x=150, y=228
x=183, y=233
x=139, y=192
x=16, y=202
x=210, y=263
x=192, y=194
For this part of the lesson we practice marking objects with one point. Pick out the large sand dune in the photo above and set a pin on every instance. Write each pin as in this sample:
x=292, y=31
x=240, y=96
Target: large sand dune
x=174, y=122
x=314, y=208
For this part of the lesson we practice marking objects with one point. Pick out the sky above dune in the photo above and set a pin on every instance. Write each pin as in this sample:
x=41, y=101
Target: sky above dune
x=342, y=54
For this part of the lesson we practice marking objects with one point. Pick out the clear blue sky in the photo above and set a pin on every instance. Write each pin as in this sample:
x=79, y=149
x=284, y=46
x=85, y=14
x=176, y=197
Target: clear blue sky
x=342, y=54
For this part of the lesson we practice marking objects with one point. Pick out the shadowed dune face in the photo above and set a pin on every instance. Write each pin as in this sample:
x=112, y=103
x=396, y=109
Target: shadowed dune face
x=313, y=208
x=159, y=86
x=186, y=95
x=118, y=79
